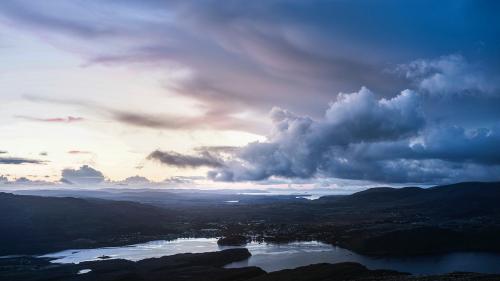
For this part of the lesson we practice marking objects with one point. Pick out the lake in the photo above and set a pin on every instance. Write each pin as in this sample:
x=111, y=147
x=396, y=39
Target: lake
x=272, y=257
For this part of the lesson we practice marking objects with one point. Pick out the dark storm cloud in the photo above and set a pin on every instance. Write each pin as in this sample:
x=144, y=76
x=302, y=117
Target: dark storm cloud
x=172, y=158
x=364, y=138
x=297, y=146
x=19, y=160
x=440, y=154
x=450, y=75
x=457, y=91
x=83, y=175
x=3, y=152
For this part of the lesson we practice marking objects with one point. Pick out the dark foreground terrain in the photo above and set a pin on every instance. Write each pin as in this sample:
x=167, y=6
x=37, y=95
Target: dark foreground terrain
x=378, y=221
x=34, y=224
x=204, y=267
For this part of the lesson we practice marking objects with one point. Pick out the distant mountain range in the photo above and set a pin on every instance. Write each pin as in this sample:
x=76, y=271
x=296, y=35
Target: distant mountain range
x=455, y=200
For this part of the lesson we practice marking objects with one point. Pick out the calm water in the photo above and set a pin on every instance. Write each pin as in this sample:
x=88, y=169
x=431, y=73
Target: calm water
x=272, y=257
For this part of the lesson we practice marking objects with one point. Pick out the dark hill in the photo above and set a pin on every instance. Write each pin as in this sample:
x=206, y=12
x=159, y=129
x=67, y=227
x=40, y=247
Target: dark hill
x=33, y=224
x=462, y=199
x=411, y=220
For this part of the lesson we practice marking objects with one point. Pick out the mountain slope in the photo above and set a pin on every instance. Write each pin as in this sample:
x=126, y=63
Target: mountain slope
x=462, y=199
x=463, y=216
x=32, y=224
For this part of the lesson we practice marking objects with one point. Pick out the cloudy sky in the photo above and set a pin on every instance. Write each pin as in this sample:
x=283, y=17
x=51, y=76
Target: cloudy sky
x=242, y=93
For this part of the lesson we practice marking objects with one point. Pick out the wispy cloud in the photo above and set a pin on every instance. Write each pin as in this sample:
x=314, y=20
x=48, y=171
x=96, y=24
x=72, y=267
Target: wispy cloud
x=68, y=119
x=79, y=152
x=19, y=160
x=217, y=149
x=209, y=120
x=172, y=158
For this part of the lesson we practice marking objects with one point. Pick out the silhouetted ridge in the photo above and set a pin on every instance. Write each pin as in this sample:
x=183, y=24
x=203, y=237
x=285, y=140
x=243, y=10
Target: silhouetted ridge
x=461, y=197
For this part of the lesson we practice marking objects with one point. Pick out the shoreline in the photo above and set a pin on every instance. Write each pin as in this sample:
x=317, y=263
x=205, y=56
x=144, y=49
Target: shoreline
x=318, y=252
x=213, y=264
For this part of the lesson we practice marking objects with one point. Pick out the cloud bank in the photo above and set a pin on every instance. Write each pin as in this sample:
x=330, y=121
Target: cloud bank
x=135, y=180
x=392, y=140
x=412, y=137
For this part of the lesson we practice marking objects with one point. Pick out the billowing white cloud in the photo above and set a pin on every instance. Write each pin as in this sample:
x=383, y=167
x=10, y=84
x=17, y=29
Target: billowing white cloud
x=299, y=145
x=83, y=175
x=365, y=138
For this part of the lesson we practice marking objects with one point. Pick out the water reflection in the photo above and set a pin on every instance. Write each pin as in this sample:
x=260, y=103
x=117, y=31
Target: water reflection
x=152, y=249
x=272, y=257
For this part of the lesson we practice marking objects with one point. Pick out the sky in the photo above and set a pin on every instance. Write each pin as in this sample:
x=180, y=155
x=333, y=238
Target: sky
x=244, y=94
